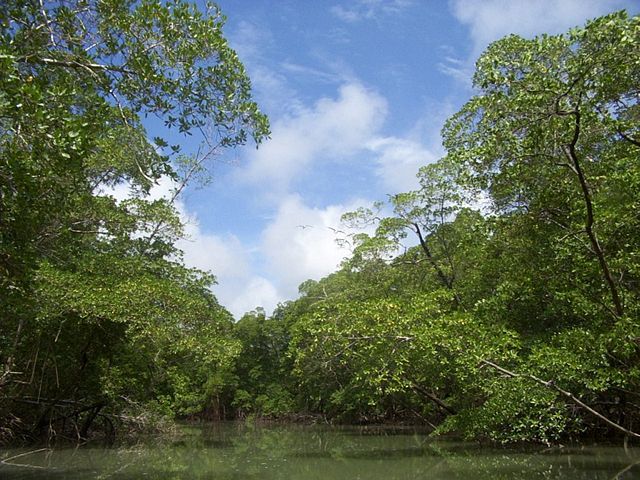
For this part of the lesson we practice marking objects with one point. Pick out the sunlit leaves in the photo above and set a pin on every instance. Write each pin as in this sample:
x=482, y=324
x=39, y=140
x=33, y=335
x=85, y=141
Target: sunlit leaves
x=490, y=290
x=92, y=290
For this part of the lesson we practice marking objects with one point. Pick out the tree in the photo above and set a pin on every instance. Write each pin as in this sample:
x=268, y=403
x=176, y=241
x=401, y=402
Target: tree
x=551, y=138
x=93, y=295
x=426, y=213
x=551, y=131
x=263, y=367
x=516, y=321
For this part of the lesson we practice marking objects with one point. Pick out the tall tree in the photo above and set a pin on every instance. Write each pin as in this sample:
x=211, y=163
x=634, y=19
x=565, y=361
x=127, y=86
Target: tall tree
x=85, y=279
x=553, y=127
x=551, y=138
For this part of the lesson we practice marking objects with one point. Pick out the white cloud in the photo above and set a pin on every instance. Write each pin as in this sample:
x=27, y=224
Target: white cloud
x=222, y=254
x=300, y=243
x=369, y=9
x=239, y=288
x=333, y=128
x=255, y=292
x=490, y=20
x=310, y=72
x=398, y=162
x=457, y=69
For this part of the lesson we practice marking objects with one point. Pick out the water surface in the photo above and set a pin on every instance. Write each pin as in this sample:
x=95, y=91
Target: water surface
x=236, y=451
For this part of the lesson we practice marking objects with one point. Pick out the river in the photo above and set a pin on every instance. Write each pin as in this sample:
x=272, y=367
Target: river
x=236, y=451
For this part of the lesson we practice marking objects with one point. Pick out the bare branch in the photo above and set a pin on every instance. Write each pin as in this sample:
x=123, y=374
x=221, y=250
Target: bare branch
x=97, y=67
x=572, y=155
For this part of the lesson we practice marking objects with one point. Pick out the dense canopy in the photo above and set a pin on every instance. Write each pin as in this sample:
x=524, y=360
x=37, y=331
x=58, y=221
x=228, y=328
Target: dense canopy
x=500, y=300
x=98, y=315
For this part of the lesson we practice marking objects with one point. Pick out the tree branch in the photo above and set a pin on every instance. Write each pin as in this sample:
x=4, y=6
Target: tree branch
x=432, y=397
x=425, y=248
x=629, y=138
x=551, y=384
x=98, y=67
x=446, y=281
x=572, y=155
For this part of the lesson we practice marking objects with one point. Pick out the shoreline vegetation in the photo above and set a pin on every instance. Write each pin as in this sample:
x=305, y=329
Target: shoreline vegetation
x=498, y=302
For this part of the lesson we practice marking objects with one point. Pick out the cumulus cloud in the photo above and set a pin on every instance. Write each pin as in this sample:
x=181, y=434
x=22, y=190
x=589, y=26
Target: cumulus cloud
x=239, y=288
x=332, y=128
x=300, y=242
x=398, y=161
x=222, y=254
x=255, y=292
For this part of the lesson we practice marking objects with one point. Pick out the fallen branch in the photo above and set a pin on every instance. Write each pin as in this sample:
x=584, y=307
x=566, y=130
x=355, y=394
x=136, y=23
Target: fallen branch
x=6, y=461
x=569, y=395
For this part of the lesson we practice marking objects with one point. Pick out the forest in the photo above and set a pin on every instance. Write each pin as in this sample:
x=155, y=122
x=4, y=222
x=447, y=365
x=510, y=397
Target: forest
x=498, y=302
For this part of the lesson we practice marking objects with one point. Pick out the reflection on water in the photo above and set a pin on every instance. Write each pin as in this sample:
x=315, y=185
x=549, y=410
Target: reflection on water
x=235, y=451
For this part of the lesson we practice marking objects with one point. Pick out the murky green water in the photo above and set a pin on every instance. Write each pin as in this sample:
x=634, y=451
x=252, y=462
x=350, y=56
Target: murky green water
x=235, y=451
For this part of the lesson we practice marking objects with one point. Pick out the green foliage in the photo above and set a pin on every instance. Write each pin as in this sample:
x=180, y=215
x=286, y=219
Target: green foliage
x=516, y=410
x=97, y=311
x=500, y=299
x=262, y=367
x=360, y=357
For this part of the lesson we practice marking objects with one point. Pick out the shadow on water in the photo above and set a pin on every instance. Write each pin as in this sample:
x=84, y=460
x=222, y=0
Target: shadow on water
x=205, y=442
x=245, y=452
x=376, y=453
x=383, y=430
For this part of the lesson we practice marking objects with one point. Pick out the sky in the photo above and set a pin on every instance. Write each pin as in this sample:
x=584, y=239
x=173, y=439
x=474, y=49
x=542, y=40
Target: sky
x=356, y=92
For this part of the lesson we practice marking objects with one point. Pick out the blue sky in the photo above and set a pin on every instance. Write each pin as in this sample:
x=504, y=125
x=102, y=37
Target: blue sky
x=356, y=92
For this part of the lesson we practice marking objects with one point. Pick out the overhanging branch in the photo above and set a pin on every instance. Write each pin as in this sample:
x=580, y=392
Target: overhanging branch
x=551, y=384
